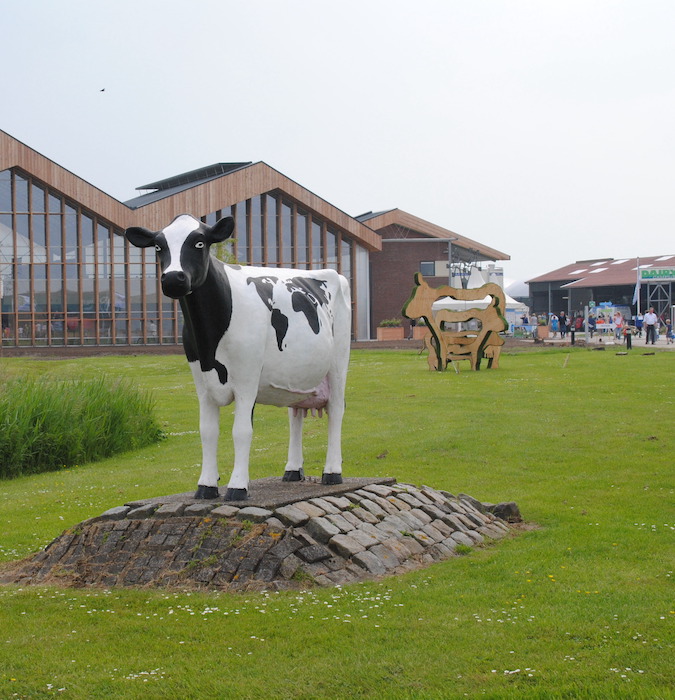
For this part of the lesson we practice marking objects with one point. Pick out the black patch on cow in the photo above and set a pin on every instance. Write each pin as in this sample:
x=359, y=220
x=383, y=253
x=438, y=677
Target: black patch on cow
x=307, y=305
x=280, y=325
x=265, y=288
x=307, y=294
x=311, y=286
x=207, y=313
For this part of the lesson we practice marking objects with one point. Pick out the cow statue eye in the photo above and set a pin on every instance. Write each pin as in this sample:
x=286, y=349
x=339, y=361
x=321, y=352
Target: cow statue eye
x=158, y=249
x=199, y=244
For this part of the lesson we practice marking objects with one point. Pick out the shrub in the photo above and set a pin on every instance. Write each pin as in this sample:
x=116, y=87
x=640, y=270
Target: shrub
x=390, y=323
x=47, y=425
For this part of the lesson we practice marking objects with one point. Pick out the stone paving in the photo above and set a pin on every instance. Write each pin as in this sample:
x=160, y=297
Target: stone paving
x=287, y=535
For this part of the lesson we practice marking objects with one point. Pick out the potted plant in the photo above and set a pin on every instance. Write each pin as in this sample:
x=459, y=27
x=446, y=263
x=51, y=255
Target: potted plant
x=390, y=329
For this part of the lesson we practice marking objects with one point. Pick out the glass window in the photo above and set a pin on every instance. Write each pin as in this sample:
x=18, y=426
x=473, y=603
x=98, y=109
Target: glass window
x=317, y=245
x=54, y=204
x=151, y=297
x=39, y=238
x=21, y=193
x=71, y=252
x=103, y=250
x=6, y=238
x=37, y=203
x=256, y=232
x=87, y=250
x=56, y=272
x=242, y=238
x=271, y=229
x=119, y=250
x=287, y=235
x=331, y=249
x=346, y=255
x=428, y=269
x=150, y=273
x=22, y=240
x=6, y=191
x=55, y=250
x=104, y=309
x=40, y=294
x=302, y=222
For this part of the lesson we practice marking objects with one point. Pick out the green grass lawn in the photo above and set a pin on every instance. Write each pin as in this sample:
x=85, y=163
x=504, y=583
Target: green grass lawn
x=581, y=604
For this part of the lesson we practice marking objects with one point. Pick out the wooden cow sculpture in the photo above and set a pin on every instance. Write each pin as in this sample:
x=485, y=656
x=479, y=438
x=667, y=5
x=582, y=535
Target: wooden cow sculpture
x=255, y=335
x=446, y=346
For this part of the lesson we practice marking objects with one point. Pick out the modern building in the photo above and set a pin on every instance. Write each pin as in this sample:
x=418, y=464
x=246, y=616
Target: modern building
x=637, y=283
x=410, y=245
x=68, y=277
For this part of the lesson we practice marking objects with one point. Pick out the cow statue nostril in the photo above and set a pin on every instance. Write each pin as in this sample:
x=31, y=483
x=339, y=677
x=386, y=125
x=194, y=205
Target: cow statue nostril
x=176, y=284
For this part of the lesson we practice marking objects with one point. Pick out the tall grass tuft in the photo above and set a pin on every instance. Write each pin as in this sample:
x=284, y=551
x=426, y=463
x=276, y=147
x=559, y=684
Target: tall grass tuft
x=47, y=425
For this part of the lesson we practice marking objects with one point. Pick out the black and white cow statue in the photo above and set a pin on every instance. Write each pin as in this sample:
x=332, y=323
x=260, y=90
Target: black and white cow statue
x=255, y=335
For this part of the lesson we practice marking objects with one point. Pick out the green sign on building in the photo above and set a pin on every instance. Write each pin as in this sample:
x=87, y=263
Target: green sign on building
x=658, y=274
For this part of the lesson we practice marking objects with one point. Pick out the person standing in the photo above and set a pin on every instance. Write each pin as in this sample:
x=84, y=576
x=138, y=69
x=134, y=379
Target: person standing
x=554, y=324
x=618, y=326
x=650, y=322
x=638, y=324
x=563, y=323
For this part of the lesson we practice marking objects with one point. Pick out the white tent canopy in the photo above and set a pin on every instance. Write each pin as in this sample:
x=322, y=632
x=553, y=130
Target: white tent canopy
x=513, y=310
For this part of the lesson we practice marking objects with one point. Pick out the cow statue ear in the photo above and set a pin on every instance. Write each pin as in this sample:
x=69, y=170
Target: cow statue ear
x=222, y=229
x=140, y=237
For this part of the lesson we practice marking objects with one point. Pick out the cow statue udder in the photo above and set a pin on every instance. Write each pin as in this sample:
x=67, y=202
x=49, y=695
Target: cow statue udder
x=255, y=335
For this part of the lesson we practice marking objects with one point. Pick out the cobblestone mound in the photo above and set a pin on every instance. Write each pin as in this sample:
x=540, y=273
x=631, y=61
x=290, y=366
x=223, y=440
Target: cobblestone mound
x=365, y=529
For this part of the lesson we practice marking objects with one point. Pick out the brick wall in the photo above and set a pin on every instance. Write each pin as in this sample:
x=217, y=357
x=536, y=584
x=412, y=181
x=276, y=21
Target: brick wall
x=392, y=275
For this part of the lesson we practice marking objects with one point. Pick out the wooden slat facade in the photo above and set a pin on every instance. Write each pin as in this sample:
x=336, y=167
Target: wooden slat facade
x=227, y=190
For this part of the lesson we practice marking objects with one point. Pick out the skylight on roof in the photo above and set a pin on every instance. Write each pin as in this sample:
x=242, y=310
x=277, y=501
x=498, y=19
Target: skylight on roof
x=602, y=262
x=577, y=272
x=600, y=269
x=663, y=258
x=620, y=262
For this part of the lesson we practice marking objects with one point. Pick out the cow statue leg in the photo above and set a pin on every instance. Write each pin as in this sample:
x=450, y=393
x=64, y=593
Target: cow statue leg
x=294, y=470
x=209, y=429
x=242, y=434
x=337, y=379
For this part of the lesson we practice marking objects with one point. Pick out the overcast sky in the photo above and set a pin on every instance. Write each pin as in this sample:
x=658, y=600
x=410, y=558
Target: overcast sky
x=542, y=128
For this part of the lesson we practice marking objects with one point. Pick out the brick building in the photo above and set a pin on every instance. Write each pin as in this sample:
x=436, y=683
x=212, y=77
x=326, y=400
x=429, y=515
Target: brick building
x=410, y=245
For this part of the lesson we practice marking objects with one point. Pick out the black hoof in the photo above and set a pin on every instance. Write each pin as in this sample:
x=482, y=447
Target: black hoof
x=294, y=475
x=206, y=492
x=331, y=479
x=236, y=495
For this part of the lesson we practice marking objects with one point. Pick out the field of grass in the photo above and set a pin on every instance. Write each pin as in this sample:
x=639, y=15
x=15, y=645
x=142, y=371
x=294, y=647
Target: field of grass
x=581, y=604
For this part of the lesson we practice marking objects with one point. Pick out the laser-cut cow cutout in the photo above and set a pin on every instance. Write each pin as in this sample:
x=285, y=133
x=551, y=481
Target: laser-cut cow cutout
x=446, y=346
x=255, y=335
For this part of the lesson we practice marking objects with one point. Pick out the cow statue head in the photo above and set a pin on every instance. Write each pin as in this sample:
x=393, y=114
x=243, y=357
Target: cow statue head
x=183, y=250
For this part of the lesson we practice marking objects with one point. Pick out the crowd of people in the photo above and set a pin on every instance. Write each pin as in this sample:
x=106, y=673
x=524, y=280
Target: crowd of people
x=562, y=325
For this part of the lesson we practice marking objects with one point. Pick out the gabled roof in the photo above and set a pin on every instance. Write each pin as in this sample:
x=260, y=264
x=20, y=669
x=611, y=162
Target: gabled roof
x=410, y=226
x=198, y=192
x=604, y=272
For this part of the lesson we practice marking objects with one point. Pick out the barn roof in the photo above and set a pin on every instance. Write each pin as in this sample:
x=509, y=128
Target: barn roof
x=396, y=223
x=602, y=272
